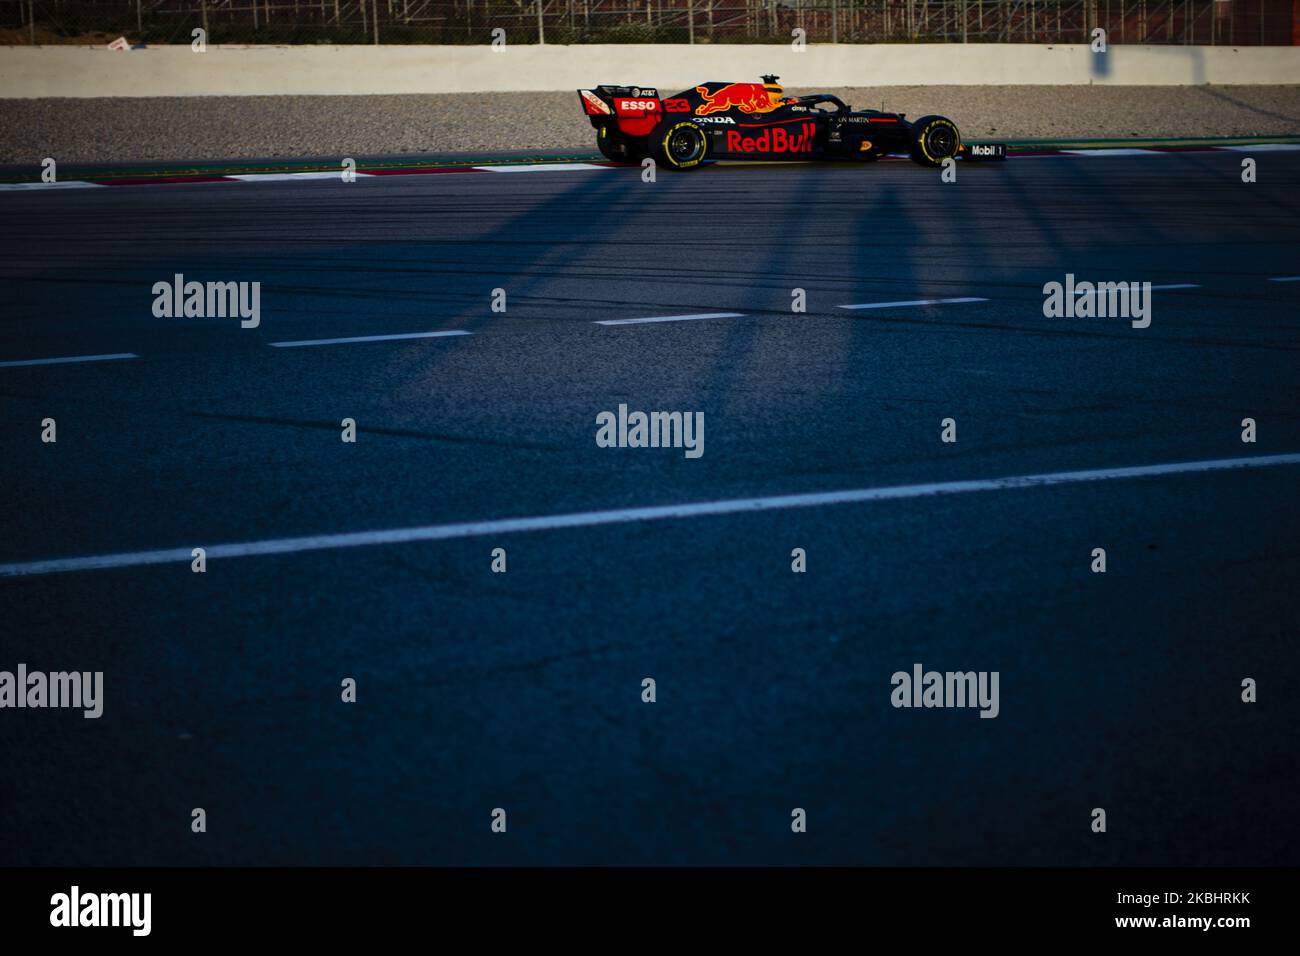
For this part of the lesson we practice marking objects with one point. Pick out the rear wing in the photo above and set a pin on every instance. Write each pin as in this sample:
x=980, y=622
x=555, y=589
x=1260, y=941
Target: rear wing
x=634, y=110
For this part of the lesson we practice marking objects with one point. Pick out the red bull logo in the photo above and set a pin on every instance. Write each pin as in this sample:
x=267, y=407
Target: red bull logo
x=775, y=139
x=747, y=97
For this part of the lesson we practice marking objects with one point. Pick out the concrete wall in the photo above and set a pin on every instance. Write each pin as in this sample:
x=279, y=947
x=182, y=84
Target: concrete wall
x=324, y=70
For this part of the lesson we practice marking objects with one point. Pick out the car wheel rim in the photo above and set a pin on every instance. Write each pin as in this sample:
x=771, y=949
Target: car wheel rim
x=941, y=141
x=684, y=146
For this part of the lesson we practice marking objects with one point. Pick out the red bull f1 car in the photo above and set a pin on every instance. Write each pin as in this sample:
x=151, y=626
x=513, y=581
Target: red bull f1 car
x=757, y=121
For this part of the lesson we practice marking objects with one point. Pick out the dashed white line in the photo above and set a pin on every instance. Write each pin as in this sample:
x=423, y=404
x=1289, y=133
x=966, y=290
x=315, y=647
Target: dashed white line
x=368, y=338
x=672, y=318
x=70, y=359
x=588, y=519
x=1174, y=285
x=911, y=302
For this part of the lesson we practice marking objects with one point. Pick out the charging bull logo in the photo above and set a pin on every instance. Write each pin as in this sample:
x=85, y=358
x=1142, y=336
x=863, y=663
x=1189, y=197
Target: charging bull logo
x=747, y=97
x=776, y=139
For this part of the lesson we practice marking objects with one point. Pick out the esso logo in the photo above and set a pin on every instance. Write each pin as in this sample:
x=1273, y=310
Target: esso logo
x=637, y=106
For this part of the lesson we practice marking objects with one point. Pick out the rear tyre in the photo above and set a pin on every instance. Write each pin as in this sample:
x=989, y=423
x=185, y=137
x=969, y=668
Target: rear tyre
x=934, y=139
x=679, y=146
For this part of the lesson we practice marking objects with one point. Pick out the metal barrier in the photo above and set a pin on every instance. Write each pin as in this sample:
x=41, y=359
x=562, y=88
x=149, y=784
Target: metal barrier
x=1208, y=22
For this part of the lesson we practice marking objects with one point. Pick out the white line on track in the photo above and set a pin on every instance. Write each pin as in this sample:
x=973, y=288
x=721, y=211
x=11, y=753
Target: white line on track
x=539, y=167
x=1265, y=147
x=282, y=177
x=911, y=302
x=1285, y=279
x=588, y=519
x=672, y=318
x=70, y=359
x=1172, y=285
x=1110, y=152
x=369, y=338
x=70, y=184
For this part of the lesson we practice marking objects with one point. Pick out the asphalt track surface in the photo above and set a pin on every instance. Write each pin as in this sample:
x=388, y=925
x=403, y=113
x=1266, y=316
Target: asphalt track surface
x=523, y=690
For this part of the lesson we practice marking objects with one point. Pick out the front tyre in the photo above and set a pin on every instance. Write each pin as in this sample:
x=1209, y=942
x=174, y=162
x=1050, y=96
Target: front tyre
x=679, y=146
x=934, y=139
